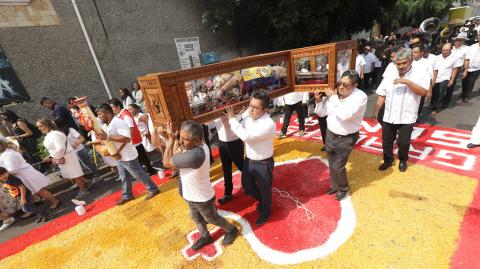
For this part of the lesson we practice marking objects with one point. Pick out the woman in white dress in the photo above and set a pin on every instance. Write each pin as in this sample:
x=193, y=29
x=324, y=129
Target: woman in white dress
x=57, y=145
x=35, y=181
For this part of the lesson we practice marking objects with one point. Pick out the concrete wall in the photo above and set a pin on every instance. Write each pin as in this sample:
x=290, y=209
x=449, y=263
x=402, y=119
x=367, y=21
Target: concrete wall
x=131, y=38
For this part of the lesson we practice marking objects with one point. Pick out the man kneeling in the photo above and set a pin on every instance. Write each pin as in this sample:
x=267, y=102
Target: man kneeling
x=191, y=156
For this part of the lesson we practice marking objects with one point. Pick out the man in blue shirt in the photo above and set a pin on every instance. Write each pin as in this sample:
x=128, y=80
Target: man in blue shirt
x=59, y=111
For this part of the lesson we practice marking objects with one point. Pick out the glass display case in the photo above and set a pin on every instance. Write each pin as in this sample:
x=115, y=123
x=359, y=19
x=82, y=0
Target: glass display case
x=202, y=93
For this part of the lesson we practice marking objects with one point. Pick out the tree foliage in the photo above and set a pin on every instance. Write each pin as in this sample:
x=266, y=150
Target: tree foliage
x=285, y=24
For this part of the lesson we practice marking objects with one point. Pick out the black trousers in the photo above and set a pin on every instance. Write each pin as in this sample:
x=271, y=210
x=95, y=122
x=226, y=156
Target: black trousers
x=257, y=178
x=420, y=107
x=338, y=149
x=144, y=160
x=298, y=107
x=230, y=152
x=322, y=123
x=449, y=93
x=438, y=94
x=468, y=83
x=389, y=133
x=366, y=80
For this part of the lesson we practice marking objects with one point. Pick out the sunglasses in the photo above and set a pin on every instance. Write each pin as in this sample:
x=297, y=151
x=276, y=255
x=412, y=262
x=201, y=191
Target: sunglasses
x=341, y=84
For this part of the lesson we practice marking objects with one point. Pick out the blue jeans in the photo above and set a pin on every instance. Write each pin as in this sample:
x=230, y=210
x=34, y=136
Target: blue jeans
x=87, y=162
x=136, y=171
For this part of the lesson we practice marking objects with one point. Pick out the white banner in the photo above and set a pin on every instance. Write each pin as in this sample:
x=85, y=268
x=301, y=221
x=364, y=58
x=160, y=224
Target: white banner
x=188, y=49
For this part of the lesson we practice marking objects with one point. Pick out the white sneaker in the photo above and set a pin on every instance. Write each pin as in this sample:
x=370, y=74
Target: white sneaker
x=7, y=223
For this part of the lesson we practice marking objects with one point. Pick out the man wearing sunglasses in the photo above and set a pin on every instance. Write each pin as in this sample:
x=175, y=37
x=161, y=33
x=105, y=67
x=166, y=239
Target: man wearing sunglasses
x=401, y=92
x=257, y=130
x=344, y=108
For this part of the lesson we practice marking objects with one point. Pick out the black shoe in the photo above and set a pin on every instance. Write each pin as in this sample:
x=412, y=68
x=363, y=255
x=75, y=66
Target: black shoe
x=123, y=201
x=340, y=195
x=230, y=237
x=402, y=166
x=471, y=145
x=203, y=241
x=151, y=195
x=331, y=191
x=261, y=220
x=226, y=198
x=385, y=165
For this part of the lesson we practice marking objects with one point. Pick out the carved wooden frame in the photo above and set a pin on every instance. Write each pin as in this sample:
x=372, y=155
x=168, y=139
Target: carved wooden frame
x=312, y=52
x=346, y=45
x=166, y=98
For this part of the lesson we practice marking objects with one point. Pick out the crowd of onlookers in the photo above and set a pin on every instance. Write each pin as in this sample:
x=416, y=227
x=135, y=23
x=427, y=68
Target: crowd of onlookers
x=65, y=141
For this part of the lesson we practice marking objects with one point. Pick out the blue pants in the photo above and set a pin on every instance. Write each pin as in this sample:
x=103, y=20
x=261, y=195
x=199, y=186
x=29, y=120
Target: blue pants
x=136, y=171
x=87, y=162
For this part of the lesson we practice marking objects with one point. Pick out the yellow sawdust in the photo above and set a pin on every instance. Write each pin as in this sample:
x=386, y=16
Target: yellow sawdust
x=404, y=220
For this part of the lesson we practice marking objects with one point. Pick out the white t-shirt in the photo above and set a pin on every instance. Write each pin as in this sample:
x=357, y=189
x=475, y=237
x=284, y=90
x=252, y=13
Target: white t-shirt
x=391, y=69
x=120, y=127
x=401, y=103
x=225, y=134
x=370, y=60
x=426, y=65
x=460, y=54
x=295, y=97
x=444, y=66
x=344, y=116
x=258, y=135
x=473, y=54
x=359, y=62
x=72, y=137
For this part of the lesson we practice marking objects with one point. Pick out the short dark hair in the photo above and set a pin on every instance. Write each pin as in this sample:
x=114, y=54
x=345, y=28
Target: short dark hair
x=105, y=107
x=420, y=47
x=262, y=95
x=44, y=99
x=135, y=106
x=3, y=170
x=115, y=102
x=10, y=116
x=70, y=99
x=352, y=75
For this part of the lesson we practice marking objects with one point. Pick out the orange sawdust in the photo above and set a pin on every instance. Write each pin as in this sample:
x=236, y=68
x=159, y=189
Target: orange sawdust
x=404, y=220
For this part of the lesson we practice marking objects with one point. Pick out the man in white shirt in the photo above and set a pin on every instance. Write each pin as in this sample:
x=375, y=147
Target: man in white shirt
x=124, y=114
x=370, y=60
x=117, y=131
x=444, y=72
x=459, y=50
x=418, y=52
x=257, y=130
x=471, y=70
x=294, y=101
x=344, y=109
x=231, y=150
x=401, y=94
x=189, y=154
x=360, y=65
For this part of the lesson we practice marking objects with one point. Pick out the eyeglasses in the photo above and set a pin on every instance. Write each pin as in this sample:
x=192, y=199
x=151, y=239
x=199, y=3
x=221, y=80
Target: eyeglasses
x=341, y=84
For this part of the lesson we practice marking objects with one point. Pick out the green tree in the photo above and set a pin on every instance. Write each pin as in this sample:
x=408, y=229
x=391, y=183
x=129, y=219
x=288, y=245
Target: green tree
x=286, y=24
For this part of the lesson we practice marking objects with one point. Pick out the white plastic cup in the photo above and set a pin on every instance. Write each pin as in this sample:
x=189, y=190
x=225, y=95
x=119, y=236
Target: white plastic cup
x=80, y=210
x=161, y=173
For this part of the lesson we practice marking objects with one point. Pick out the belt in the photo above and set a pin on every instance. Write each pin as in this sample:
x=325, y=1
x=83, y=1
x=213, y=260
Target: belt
x=264, y=161
x=348, y=135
